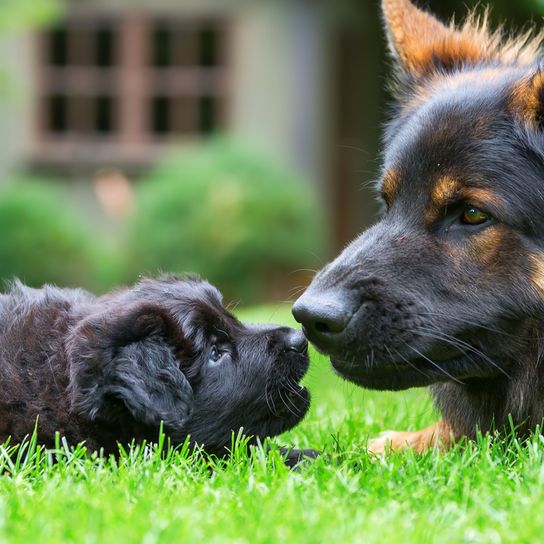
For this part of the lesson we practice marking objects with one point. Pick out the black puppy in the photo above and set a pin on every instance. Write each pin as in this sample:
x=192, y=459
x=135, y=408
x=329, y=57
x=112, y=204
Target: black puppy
x=109, y=370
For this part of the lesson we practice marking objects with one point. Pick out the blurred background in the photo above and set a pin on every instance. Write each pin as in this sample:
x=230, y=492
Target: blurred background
x=235, y=138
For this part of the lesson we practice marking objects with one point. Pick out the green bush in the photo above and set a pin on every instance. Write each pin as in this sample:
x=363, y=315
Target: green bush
x=41, y=240
x=229, y=215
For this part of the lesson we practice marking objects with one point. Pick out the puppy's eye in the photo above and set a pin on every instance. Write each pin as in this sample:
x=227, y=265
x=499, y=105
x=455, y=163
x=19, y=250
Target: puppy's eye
x=474, y=216
x=215, y=356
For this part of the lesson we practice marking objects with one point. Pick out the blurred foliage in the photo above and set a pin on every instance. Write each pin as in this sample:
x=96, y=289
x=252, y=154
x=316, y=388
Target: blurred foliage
x=219, y=211
x=228, y=215
x=18, y=15
x=23, y=15
x=42, y=240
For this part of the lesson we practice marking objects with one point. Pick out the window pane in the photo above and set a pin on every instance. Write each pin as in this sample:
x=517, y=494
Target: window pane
x=57, y=110
x=58, y=47
x=162, y=45
x=103, y=114
x=160, y=111
x=208, y=47
x=104, y=47
x=207, y=119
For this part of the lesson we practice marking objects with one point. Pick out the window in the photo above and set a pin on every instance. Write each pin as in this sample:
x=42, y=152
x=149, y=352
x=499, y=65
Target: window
x=128, y=84
x=78, y=94
x=184, y=99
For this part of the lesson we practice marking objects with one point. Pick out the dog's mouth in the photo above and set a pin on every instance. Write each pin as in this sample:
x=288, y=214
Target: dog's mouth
x=438, y=364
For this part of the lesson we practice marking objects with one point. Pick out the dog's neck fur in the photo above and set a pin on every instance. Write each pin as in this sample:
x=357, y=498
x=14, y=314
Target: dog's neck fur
x=488, y=404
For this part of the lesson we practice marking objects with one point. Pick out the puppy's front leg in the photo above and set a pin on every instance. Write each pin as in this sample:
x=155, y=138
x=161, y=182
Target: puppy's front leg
x=439, y=436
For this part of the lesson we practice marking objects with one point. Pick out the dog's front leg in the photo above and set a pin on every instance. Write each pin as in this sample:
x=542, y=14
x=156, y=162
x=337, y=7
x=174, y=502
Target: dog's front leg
x=439, y=436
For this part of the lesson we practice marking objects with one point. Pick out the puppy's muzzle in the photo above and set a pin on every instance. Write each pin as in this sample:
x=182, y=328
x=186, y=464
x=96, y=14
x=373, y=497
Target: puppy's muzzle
x=296, y=341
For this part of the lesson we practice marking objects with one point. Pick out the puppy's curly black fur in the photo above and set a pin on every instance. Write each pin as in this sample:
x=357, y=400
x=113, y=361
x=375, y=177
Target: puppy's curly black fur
x=109, y=370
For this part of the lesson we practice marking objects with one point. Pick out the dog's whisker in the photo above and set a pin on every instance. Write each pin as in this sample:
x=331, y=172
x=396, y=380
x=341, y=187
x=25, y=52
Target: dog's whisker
x=458, y=343
x=311, y=270
x=295, y=291
x=232, y=305
x=407, y=361
x=476, y=324
x=437, y=366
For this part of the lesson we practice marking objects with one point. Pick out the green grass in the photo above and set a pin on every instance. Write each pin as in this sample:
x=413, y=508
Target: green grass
x=484, y=492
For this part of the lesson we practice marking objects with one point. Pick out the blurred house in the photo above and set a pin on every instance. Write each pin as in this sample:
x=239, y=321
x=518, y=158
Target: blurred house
x=117, y=82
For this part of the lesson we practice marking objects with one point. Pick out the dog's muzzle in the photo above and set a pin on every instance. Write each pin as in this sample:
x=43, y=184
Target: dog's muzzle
x=323, y=319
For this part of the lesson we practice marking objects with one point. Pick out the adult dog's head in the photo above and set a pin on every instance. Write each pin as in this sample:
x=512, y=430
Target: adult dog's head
x=448, y=285
x=167, y=350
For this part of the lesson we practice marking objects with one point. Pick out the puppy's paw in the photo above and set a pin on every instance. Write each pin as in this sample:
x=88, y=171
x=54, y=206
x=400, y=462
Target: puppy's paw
x=293, y=457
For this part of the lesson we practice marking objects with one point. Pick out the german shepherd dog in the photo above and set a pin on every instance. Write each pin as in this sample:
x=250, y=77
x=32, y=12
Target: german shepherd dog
x=447, y=289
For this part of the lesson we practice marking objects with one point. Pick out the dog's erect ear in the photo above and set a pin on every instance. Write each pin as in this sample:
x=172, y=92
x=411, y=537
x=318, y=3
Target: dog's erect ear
x=129, y=360
x=528, y=100
x=422, y=45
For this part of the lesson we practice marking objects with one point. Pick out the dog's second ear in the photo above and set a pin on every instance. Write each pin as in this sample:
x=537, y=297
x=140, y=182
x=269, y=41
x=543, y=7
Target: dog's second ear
x=128, y=360
x=422, y=45
x=527, y=100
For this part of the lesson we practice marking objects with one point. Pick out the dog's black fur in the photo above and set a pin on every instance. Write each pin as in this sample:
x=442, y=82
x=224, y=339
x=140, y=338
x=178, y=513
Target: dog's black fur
x=108, y=370
x=447, y=289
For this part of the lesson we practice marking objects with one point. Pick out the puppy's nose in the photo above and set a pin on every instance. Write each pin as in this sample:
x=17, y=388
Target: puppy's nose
x=296, y=341
x=322, y=319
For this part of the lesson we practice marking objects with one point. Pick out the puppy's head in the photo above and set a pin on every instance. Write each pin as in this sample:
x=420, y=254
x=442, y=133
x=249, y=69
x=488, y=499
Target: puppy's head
x=242, y=376
x=182, y=358
x=448, y=285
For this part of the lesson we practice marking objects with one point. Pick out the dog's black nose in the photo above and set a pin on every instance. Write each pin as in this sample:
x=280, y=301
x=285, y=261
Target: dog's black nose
x=296, y=341
x=322, y=319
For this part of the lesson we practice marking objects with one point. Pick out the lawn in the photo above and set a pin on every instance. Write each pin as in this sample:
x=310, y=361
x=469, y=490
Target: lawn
x=488, y=492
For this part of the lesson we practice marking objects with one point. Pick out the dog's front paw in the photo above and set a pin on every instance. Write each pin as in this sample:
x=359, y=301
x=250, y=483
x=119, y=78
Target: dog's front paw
x=392, y=441
x=437, y=436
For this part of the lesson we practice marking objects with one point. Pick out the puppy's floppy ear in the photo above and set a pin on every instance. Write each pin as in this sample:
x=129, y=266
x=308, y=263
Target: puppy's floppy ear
x=128, y=360
x=421, y=44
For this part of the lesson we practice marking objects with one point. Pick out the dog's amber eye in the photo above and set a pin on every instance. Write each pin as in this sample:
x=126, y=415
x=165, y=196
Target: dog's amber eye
x=474, y=216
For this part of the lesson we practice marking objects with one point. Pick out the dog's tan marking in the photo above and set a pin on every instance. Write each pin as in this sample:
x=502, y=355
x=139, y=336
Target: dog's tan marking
x=419, y=40
x=412, y=33
x=486, y=247
x=390, y=185
x=438, y=436
x=448, y=188
x=482, y=197
x=445, y=188
x=537, y=272
x=526, y=99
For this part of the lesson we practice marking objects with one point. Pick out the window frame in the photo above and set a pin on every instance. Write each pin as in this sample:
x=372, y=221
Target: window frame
x=131, y=82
